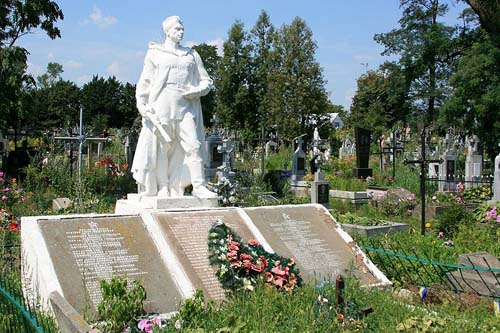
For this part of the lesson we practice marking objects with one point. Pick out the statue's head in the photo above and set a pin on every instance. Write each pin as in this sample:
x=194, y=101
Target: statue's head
x=173, y=28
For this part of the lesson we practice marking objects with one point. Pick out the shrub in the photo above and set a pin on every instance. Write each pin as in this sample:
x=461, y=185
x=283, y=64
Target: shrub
x=450, y=220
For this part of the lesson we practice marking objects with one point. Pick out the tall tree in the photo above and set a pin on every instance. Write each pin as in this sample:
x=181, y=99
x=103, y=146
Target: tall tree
x=211, y=61
x=236, y=102
x=100, y=101
x=18, y=18
x=427, y=53
x=262, y=38
x=475, y=103
x=296, y=94
x=52, y=75
x=381, y=99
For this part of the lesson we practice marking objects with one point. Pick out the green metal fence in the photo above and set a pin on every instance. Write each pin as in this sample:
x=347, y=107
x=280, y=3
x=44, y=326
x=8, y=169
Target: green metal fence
x=16, y=313
x=407, y=268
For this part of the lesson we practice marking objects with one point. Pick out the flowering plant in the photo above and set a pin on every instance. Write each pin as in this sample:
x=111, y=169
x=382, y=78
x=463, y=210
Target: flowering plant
x=241, y=265
x=111, y=167
x=9, y=194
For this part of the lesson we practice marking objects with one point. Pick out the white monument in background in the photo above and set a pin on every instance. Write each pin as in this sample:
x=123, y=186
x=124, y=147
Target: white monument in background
x=170, y=149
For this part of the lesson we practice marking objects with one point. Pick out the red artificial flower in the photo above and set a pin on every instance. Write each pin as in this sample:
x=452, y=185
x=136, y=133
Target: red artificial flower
x=13, y=226
x=234, y=246
x=253, y=242
x=263, y=261
x=245, y=256
x=278, y=270
x=278, y=281
x=235, y=263
x=232, y=255
x=257, y=268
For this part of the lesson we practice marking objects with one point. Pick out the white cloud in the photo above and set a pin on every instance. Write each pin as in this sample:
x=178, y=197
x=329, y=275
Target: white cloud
x=190, y=43
x=50, y=56
x=81, y=80
x=100, y=20
x=219, y=43
x=72, y=64
x=35, y=70
x=114, y=68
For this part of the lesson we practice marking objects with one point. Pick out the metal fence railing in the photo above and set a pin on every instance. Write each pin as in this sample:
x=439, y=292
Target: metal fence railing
x=16, y=313
x=409, y=269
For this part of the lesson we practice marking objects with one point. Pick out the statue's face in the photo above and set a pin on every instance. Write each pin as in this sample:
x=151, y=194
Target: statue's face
x=176, y=32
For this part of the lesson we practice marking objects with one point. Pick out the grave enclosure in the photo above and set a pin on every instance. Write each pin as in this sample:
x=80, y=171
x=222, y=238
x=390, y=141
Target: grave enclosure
x=167, y=251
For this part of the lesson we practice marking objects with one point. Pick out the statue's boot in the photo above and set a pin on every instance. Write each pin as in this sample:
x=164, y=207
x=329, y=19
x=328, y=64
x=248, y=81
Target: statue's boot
x=198, y=180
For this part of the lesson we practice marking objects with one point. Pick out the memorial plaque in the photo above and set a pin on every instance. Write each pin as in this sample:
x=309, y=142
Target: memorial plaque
x=86, y=250
x=323, y=193
x=310, y=236
x=301, y=164
x=188, y=233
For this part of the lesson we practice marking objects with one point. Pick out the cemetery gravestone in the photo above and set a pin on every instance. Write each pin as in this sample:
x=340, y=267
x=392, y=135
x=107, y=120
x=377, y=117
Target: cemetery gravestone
x=226, y=150
x=214, y=157
x=310, y=235
x=299, y=187
x=363, y=140
x=320, y=189
x=496, y=181
x=473, y=163
x=188, y=232
x=71, y=254
x=298, y=161
x=447, y=169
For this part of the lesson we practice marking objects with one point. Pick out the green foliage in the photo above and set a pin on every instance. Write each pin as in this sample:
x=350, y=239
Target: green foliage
x=476, y=95
x=427, y=53
x=450, y=220
x=211, y=62
x=236, y=101
x=380, y=100
x=477, y=194
x=120, y=304
x=350, y=218
x=296, y=92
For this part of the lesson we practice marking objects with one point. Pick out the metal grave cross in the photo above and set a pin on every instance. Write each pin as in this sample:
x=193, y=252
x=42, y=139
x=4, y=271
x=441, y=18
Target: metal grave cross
x=423, y=162
x=226, y=149
x=81, y=139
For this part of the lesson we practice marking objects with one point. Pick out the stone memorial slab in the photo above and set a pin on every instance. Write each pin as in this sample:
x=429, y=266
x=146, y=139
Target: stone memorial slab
x=310, y=235
x=72, y=254
x=187, y=232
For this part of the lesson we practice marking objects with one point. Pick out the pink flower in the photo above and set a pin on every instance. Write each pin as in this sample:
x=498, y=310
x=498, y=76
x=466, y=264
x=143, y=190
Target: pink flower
x=4, y=198
x=278, y=270
x=253, y=242
x=440, y=234
x=278, y=281
x=147, y=325
x=245, y=256
x=234, y=246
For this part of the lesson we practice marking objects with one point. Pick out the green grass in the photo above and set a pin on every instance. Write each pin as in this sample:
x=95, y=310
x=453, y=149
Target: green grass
x=266, y=310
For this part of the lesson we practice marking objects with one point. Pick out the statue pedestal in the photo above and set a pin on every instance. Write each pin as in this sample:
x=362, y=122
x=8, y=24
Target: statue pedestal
x=137, y=203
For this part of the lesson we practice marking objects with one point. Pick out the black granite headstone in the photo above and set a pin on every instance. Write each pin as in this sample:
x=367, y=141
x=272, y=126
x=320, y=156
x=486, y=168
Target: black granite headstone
x=363, y=140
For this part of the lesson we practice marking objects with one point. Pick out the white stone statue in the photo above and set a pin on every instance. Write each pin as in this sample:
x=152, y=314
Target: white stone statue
x=170, y=149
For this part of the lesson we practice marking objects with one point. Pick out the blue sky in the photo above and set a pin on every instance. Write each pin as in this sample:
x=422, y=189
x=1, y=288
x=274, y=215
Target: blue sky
x=110, y=37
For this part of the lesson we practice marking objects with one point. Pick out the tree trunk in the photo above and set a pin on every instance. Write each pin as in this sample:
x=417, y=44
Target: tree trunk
x=489, y=14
